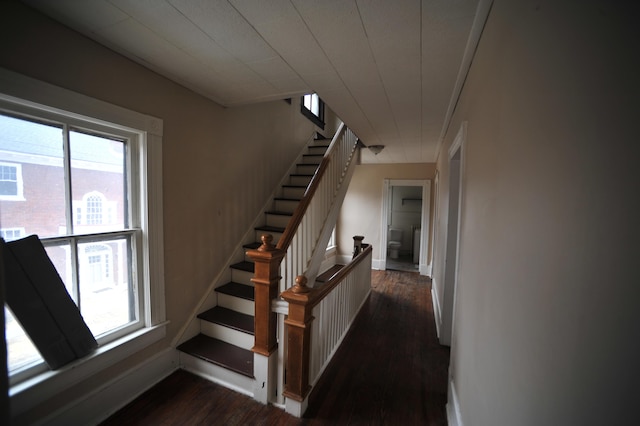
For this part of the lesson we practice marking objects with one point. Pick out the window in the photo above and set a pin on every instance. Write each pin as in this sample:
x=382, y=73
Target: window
x=10, y=181
x=312, y=107
x=81, y=165
x=95, y=210
x=10, y=234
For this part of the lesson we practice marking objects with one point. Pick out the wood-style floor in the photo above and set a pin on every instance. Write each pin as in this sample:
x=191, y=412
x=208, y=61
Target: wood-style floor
x=390, y=370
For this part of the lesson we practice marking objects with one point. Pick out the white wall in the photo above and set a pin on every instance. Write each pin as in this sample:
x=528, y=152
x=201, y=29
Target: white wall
x=546, y=327
x=361, y=212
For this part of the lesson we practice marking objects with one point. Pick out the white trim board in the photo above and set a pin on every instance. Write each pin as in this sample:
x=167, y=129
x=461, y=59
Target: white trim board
x=479, y=21
x=436, y=309
x=454, y=418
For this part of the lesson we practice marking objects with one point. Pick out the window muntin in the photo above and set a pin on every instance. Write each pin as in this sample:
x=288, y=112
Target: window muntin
x=75, y=168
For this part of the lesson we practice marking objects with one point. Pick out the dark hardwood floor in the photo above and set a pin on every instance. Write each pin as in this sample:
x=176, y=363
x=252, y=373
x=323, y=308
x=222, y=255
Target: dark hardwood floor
x=390, y=370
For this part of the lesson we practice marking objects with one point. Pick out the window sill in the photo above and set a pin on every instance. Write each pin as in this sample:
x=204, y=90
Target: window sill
x=33, y=391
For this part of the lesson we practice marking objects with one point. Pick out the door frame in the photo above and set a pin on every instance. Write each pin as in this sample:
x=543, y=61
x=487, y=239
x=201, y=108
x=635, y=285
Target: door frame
x=424, y=268
x=453, y=236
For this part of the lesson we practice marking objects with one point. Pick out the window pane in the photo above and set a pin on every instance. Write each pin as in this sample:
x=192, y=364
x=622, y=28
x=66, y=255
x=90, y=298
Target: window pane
x=106, y=293
x=98, y=183
x=60, y=256
x=20, y=351
x=32, y=190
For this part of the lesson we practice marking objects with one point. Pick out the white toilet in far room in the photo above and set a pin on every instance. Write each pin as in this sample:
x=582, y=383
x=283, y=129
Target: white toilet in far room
x=395, y=242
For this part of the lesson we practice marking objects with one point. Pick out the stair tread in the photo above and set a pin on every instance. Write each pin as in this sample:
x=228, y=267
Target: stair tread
x=237, y=290
x=294, y=186
x=280, y=212
x=252, y=246
x=220, y=353
x=329, y=273
x=229, y=318
x=286, y=199
x=270, y=228
x=301, y=175
x=244, y=266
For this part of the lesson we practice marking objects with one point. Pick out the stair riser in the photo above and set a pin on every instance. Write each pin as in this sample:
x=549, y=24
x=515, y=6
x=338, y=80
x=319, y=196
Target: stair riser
x=306, y=169
x=288, y=192
x=317, y=150
x=242, y=277
x=300, y=180
x=278, y=220
x=311, y=159
x=217, y=374
x=284, y=206
x=237, y=304
x=226, y=334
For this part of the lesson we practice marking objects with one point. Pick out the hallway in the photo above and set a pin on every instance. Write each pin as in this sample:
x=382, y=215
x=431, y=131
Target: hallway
x=390, y=370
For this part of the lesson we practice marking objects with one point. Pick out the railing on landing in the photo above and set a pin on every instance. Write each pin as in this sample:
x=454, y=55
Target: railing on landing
x=318, y=320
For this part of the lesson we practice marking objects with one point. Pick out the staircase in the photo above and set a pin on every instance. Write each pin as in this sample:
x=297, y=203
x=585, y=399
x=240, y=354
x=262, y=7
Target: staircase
x=221, y=350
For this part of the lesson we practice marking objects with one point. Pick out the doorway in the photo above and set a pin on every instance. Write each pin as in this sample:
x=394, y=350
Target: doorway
x=404, y=233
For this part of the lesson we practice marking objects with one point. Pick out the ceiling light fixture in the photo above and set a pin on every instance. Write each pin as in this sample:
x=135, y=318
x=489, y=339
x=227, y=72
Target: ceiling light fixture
x=376, y=149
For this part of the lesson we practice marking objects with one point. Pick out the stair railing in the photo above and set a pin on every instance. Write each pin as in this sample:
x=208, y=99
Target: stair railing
x=318, y=319
x=300, y=250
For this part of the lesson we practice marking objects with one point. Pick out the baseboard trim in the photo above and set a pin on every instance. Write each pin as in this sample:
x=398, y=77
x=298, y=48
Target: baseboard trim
x=436, y=307
x=453, y=406
x=105, y=400
x=425, y=269
x=378, y=264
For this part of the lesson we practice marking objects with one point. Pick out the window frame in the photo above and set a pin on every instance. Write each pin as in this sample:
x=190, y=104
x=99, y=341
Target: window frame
x=317, y=119
x=33, y=98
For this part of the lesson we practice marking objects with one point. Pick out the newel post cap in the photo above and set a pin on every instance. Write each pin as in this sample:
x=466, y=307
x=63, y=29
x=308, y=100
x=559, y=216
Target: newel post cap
x=267, y=243
x=301, y=285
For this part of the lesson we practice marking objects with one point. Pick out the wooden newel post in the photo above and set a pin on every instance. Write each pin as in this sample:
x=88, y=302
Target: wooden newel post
x=267, y=259
x=299, y=339
x=357, y=244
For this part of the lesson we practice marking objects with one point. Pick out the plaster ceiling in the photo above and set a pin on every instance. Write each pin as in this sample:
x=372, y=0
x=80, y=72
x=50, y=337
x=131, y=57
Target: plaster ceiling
x=390, y=69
